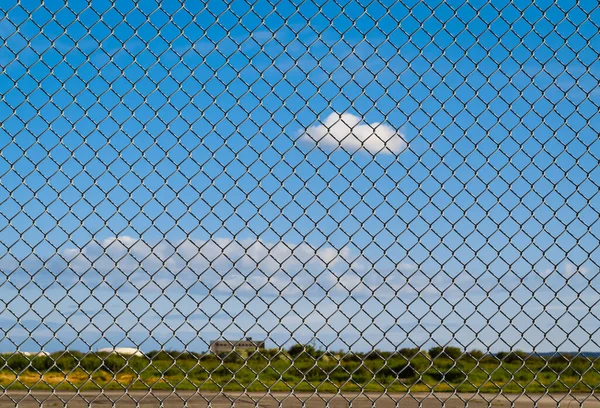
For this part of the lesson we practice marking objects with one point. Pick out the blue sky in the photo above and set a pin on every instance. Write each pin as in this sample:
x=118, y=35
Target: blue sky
x=175, y=172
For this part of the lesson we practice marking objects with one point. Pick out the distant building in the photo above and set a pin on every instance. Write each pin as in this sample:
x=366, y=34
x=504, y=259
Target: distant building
x=28, y=353
x=124, y=351
x=225, y=346
x=36, y=353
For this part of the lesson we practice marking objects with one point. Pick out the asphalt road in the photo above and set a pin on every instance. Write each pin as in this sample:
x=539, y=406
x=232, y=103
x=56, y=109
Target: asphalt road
x=200, y=400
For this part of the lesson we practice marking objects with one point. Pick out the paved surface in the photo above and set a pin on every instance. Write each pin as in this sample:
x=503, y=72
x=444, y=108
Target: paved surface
x=199, y=400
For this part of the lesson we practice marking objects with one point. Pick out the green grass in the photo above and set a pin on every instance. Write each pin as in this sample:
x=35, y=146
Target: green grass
x=285, y=371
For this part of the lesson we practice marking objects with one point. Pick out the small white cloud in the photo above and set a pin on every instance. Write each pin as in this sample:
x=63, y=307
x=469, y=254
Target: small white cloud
x=569, y=270
x=566, y=270
x=349, y=132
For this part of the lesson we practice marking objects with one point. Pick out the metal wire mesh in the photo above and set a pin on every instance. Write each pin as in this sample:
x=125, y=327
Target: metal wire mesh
x=296, y=202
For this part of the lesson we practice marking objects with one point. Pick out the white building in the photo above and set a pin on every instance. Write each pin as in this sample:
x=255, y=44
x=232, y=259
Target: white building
x=35, y=353
x=124, y=351
x=225, y=346
x=28, y=353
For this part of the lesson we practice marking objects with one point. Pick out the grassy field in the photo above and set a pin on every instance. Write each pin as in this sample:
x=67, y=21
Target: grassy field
x=303, y=368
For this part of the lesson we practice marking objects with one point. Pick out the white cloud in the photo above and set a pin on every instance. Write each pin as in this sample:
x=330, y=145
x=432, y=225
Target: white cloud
x=244, y=267
x=222, y=264
x=569, y=270
x=349, y=132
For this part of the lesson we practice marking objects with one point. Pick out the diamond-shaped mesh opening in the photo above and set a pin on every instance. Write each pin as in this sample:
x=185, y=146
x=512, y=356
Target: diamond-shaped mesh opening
x=306, y=203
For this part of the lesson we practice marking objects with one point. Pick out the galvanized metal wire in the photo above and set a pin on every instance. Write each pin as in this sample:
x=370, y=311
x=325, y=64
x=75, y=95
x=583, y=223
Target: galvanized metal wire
x=267, y=199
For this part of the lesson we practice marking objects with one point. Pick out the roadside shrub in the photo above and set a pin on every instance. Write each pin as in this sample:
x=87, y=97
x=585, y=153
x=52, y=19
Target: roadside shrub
x=420, y=363
x=453, y=375
x=269, y=373
x=65, y=363
x=258, y=358
x=452, y=353
x=232, y=357
x=581, y=364
x=409, y=352
x=571, y=371
x=535, y=358
x=325, y=358
x=304, y=351
x=113, y=363
x=172, y=355
x=339, y=374
x=173, y=371
x=352, y=357
x=245, y=375
x=296, y=350
x=373, y=356
x=163, y=355
x=77, y=355
x=90, y=363
x=443, y=362
x=435, y=351
x=362, y=375
x=559, y=359
x=292, y=374
x=574, y=368
x=153, y=354
x=523, y=375
x=402, y=370
x=17, y=362
x=489, y=359
x=269, y=353
x=516, y=356
x=476, y=354
x=223, y=371
x=189, y=356
x=198, y=373
x=379, y=355
x=138, y=364
x=42, y=363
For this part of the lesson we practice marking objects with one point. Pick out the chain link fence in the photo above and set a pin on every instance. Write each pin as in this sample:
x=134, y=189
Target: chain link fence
x=299, y=203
